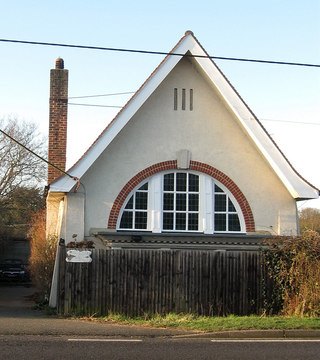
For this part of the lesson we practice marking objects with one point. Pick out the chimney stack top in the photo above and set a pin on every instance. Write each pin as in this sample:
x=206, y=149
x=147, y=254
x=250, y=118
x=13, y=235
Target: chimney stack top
x=59, y=63
x=189, y=32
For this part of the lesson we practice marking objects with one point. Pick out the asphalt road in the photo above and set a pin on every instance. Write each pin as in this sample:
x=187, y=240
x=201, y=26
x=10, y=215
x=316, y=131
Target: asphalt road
x=49, y=347
x=17, y=317
x=29, y=334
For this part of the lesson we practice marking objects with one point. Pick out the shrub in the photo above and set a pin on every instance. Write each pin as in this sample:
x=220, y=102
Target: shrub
x=42, y=258
x=293, y=264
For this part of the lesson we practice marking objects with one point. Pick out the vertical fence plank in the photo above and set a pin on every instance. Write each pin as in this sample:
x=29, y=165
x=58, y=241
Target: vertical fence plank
x=61, y=280
x=138, y=282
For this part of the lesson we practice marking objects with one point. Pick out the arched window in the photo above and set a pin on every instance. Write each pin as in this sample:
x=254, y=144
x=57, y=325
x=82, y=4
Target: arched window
x=135, y=213
x=226, y=217
x=181, y=201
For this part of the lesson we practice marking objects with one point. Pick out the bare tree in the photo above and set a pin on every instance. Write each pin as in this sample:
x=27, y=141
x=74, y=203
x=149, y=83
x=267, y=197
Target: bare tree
x=18, y=166
x=310, y=219
x=22, y=176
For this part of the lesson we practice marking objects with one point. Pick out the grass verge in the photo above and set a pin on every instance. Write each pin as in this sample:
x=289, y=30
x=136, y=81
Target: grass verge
x=212, y=324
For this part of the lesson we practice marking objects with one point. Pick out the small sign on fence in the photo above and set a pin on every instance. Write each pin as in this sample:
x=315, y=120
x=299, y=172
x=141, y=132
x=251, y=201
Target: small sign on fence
x=79, y=256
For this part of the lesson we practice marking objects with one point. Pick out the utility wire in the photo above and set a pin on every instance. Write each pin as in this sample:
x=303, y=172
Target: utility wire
x=271, y=120
x=292, y=122
x=74, y=177
x=107, y=106
x=132, y=92
x=157, y=53
x=38, y=156
x=91, y=96
x=120, y=107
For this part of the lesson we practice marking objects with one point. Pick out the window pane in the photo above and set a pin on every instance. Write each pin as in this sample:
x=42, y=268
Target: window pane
x=181, y=182
x=180, y=221
x=168, y=182
x=193, y=222
x=181, y=202
x=217, y=189
x=220, y=202
x=130, y=203
x=144, y=187
x=234, y=223
x=126, y=220
x=181, y=196
x=168, y=201
x=220, y=222
x=193, y=183
x=140, y=220
x=167, y=221
x=141, y=200
x=193, y=202
x=231, y=206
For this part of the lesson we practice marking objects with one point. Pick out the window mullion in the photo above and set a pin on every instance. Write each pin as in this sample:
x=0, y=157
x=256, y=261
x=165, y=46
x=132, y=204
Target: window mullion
x=155, y=204
x=134, y=212
x=207, y=204
x=174, y=201
x=187, y=208
x=227, y=213
x=187, y=203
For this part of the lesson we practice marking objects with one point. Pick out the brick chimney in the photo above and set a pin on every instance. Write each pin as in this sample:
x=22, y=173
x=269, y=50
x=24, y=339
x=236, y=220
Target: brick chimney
x=58, y=111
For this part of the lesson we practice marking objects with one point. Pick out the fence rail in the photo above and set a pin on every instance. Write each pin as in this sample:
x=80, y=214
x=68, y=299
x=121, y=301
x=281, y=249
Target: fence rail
x=136, y=282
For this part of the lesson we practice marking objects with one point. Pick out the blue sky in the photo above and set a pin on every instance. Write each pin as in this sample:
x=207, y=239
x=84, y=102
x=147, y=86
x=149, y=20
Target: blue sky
x=284, y=30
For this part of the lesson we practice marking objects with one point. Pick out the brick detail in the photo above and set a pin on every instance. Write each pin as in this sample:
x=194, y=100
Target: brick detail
x=232, y=187
x=171, y=165
x=130, y=185
x=58, y=111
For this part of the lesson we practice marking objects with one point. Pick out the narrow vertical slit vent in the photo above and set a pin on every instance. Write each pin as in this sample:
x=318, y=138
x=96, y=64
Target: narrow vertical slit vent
x=175, y=99
x=183, y=99
x=191, y=99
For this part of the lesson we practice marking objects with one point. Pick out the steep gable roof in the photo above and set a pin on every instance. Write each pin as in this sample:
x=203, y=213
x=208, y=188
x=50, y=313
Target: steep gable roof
x=190, y=46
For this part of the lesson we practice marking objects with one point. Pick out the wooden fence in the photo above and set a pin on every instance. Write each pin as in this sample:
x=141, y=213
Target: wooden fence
x=138, y=282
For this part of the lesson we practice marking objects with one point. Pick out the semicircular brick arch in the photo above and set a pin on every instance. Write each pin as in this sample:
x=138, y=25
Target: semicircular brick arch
x=172, y=165
x=232, y=187
x=131, y=184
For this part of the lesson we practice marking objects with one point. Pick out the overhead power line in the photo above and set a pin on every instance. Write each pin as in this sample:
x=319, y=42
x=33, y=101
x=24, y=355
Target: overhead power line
x=100, y=95
x=157, y=52
x=38, y=156
x=120, y=107
x=292, y=122
x=97, y=105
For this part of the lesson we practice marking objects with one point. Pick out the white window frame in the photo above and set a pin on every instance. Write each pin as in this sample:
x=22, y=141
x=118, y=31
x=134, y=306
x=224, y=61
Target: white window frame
x=134, y=210
x=187, y=211
x=235, y=204
x=206, y=205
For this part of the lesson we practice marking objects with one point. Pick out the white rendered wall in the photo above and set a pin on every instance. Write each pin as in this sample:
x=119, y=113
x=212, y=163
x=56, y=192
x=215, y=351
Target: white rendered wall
x=213, y=136
x=73, y=223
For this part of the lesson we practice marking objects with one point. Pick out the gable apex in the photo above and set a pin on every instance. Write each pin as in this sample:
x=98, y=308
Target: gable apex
x=188, y=45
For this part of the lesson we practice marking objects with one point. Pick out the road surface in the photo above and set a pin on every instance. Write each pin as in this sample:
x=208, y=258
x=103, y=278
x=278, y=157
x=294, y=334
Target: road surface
x=27, y=334
x=49, y=347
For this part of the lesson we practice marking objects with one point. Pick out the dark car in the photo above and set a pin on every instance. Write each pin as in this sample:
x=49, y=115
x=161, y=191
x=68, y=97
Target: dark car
x=13, y=270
